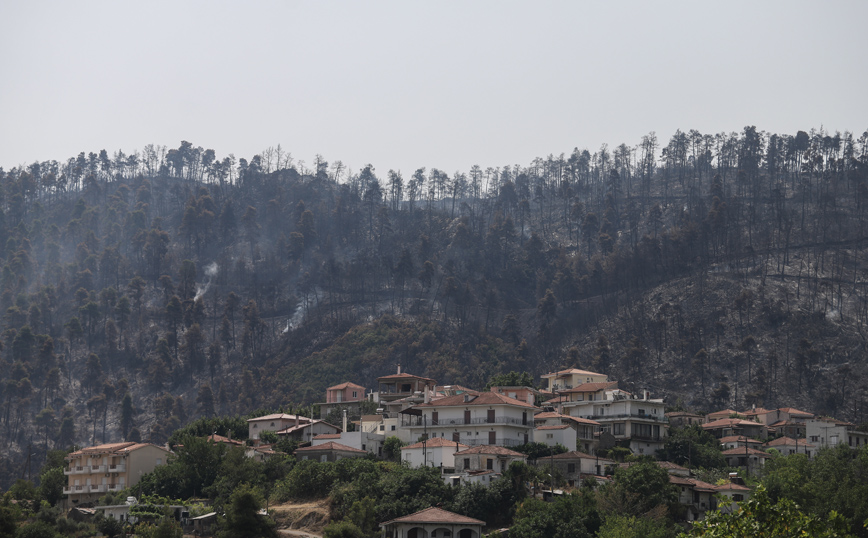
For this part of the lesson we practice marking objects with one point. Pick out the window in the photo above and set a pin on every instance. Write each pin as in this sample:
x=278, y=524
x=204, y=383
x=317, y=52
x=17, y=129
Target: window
x=323, y=458
x=641, y=412
x=159, y=461
x=571, y=467
x=489, y=463
x=738, y=497
x=393, y=427
x=618, y=428
x=255, y=426
x=272, y=424
x=549, y=436
x=355, y=394
x=467, y=463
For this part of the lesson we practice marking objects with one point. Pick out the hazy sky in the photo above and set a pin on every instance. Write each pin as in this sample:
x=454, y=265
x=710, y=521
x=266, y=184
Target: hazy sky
x=409, y=84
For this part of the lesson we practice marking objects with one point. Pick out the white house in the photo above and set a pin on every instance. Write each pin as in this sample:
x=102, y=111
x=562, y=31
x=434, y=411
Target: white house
x=824, y=432
x=639, y=419
x=561, y=434
x=485, y=419
x=434, y=452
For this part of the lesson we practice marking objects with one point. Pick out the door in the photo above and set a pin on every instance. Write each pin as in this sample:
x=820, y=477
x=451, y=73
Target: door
x=467, y=416
x=490, y=417
x=456, y=437
x=492, y=438
x=435, y=417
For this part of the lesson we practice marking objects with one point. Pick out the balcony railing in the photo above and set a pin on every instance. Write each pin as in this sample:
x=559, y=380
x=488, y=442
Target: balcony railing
x=114, y=487
x=119, y=468
x=97, y=469
x=653, y=418
x=74, y=489
x=417, y=422
x=484, y=442
x=76, y=470
x=98, y=488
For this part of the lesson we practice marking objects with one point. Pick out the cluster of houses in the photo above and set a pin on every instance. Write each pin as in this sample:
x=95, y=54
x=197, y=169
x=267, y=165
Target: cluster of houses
x=471, y=435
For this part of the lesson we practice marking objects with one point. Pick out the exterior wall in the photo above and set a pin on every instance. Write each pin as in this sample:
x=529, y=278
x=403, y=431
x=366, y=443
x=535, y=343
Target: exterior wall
x=824, y=433
x=347, y=394
x=524, y=394
x=568, y=381
x=565, y=437
x=327, y=455
x=437, y=457
x=571, y=469
x=369, y=442
x=255, y=427
x=425, y=530
x=483, y=462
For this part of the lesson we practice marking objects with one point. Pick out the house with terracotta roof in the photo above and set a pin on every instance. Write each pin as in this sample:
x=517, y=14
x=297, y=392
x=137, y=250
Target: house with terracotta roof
x=305, y=432
x=342, y=396
x=725, y=413
x=790, y=445
x=94, y=471
x=482, y=464
x=485, y=419
x=751, y=459
x=735, y=441
x=575, y=465
x=585, y=428
x=525, y=394
x=273, y=423
x=434, y=523
x=571, y=377
x=825, y=431
x=433, y=452
x=401, y=385
x=726, y=427
x=638, y=421
x=329, y=451
x=699, y=497
x=679, y=419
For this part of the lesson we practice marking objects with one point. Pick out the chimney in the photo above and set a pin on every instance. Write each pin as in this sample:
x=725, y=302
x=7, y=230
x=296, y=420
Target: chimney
x=344, y=424
x=427, y=395
x=296, y=419
x=399, y=368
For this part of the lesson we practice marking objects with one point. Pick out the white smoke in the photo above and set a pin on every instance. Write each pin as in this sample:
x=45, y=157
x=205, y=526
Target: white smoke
x=210, y=272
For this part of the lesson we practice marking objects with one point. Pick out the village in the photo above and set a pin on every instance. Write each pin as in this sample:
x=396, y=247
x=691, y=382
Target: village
x=585, y=420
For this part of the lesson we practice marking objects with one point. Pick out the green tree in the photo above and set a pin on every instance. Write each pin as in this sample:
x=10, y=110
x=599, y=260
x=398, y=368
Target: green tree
x=392, y=448
x=242, y=515
x=694, y=447
x=761, y=517
x=570, y=516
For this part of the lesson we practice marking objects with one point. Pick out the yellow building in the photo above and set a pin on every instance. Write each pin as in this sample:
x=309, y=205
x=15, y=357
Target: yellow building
x=97, y=470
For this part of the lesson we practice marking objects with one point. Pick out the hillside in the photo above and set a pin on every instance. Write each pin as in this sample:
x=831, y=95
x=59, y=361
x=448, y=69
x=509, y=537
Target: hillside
x=141, y=291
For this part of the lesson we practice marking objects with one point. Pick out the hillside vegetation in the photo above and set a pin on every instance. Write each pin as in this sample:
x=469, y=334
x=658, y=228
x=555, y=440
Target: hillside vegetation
x=143, y=290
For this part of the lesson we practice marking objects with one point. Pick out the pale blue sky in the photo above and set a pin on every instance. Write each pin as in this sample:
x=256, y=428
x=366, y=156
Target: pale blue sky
x=409, y=84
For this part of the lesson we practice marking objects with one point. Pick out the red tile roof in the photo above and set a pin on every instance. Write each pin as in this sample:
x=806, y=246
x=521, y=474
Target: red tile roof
x=331, y=445
x=591, y=387
x=739, y=439
x=787, y=441
x=484, y=398
x=327, y=436
x=113, y=448
x=741, y=451
x=278, y=416
x=575, y=454
x=559, y=427
x=435, y=515
x=346, y=385
x=796, y=412
x=729, y=422
x=404, y=375
x=491, y=449
x=436, y=442
x=571, y=371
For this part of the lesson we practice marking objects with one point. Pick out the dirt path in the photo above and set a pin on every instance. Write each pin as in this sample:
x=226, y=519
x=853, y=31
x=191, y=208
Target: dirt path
x=301, y=520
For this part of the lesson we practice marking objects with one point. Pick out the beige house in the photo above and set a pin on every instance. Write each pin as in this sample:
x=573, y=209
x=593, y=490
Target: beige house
x=432, y=523
x=727, y=427
x=571, y=377
x=273, y=423
x=94, y=471
x=751, y=459
x=584, y=428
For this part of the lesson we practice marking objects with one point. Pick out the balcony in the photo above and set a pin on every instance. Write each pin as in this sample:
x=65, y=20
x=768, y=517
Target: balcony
x=634, y=416
x=69, y=490
x=97, y=488
x=119, y=468
x=97, y=468
x=417, y=422
x=484, y=442
x=115, y=487
x=76, y=470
